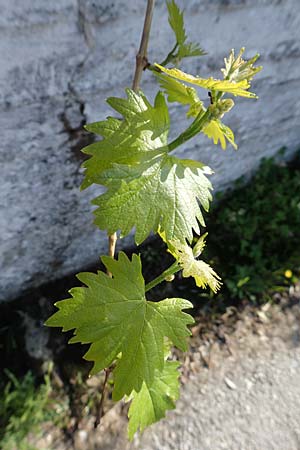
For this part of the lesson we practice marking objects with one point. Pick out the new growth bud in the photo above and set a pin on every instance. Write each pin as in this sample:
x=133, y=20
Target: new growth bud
x=221, y=107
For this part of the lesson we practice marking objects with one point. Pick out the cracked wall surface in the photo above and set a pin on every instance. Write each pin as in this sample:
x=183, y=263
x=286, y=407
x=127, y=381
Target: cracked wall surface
x=60, y=60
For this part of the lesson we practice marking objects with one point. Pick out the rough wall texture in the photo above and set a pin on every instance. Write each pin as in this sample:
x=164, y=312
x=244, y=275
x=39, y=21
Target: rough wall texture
x=60, y=60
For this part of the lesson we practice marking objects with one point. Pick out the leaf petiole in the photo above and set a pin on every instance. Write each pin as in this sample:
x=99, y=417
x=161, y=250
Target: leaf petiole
x=174, y=268
x=198, y=124
x=170, y=55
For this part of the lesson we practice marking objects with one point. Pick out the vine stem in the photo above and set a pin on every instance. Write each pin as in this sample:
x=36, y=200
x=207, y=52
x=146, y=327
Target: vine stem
x=99, y=412
x=192, y=130
x=141, y=57
x=141, y=64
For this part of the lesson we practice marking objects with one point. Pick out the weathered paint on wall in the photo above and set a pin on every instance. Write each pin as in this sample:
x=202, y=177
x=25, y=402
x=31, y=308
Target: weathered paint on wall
x=60, y=60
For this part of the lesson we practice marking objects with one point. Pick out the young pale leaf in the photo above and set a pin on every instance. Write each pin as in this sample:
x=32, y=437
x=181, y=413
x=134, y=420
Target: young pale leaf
x=129, y=141
x=237, y=89
x=113, y=315
x=236, y=69
x=164, y=192
x=199, y=246
x=176, y=91
x=151, y=403
x=203, y=274
x=218, y=132
x=185, y=49
x=179, y=92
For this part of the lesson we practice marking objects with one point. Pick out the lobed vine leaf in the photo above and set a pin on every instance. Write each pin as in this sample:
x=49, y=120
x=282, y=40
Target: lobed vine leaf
x=113, y=315
x=143, y=130
x=164, y=192
x=146, y=187
x=105, y=128
x=151, y=403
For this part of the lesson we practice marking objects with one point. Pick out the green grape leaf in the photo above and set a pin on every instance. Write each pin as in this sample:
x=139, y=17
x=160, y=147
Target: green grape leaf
x=176, y=21
x=151, y=403
x=146, y=187
x=164, y=192
x=202, y=273
x=113, y=315
x=129, y=141
x=234, y=88
x=218, y=132
x=237, y=70
x=185, y=49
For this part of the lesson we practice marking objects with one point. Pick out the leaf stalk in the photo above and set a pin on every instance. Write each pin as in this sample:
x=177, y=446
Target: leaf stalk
x=195, y=127
x=174, y=268
x=99, y=412
x=170, y=55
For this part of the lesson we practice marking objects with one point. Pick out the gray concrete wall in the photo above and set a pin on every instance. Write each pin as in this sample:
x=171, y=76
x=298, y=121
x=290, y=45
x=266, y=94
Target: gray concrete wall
x=60, y=60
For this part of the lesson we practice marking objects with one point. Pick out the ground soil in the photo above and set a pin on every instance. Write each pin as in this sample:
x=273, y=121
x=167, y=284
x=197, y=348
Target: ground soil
x=241, y=389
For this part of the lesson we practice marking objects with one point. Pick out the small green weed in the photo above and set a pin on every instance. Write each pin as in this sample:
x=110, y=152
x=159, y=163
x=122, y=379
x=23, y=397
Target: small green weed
x=254, y=231
x=24, y=407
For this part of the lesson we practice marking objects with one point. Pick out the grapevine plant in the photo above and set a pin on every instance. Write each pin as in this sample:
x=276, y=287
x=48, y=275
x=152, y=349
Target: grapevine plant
x=150, y=190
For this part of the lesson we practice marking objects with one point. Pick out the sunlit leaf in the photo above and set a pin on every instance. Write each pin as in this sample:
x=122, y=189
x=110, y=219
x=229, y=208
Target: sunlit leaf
x=219, y=132
x=164, y=192
x=237, y=70
x=146, y=187
x=151, y=403
x=234, y=88
x=113, y=315
x=202, y=273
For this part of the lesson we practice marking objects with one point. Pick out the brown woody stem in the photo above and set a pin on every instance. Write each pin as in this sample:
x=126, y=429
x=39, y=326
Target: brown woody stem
x=141, y=57
x=99, y=412
x=141, y=64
